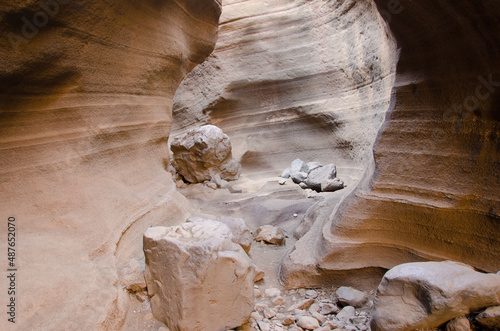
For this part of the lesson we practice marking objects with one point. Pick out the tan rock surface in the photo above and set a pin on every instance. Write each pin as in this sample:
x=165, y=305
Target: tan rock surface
x=432, y=190
x=423, y=295
x=84, y=118
x=198, y=277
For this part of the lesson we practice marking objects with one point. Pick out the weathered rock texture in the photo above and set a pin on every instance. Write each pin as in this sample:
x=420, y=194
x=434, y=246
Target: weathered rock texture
x=85, y=113
x=202, y=153
x=432, y=191
x=288, y=79
x=198, y=276
x=428, y=294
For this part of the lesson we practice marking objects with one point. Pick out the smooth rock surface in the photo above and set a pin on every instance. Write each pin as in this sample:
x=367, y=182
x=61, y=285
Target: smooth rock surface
x=308, y=323
x=427, y=294
x=349, y=296
x=204, y=153
x=197, y=267
x=320, y=174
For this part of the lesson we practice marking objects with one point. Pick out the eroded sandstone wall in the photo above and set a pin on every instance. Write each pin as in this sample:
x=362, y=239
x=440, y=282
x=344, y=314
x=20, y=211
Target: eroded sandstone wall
x=86, y=90
x=294, y=79
x=434, y=190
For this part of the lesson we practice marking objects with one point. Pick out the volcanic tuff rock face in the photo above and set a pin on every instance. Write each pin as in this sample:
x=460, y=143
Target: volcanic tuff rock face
x=288, y=79
x=313, y=79
x=433, y=193
x=85, y=108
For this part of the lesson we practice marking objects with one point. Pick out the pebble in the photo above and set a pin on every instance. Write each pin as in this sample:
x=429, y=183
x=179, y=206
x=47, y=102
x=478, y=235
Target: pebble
x=304, y=304
x=256, y=316
x=311, y=294
x=270, y=313
x=328, y=308
x=346, y=313
x=278, y=301
x=321, y=319
x=308, y=323
x=272, y=292
x=290, y=319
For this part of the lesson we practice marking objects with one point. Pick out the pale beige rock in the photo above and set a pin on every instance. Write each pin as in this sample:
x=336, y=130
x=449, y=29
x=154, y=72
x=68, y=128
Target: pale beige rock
x=458, y=324
x=349, y=296
x=490, y=317
x=428, y=294
x=304, y=304
x=272, y=292
x=183, y=273
x=270, y=235
x=308, y=323
x=239, y=229
x=288, y=320
x=204, y=153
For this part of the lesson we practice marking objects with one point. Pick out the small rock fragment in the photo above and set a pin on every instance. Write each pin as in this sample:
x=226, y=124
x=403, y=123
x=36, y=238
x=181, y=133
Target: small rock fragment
x=321, y=319
x=304, y=304
x=272, y=292
x=490, y=317
x=259, y=275
x=311, y=294
x=290, y=319
x=331, y=185
x=351, y=297
x=264, y=326
x=256, y=316
x=257, y=293
x=269, y=313
x=308, y=323
x=328, y=308
x=458, y=324
x=282, y=181
x=346, y=313
x=278, y=301
x=286, y=173
x=270, y=235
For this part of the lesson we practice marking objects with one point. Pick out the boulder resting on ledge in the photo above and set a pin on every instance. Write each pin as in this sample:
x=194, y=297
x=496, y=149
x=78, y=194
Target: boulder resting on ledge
x=202, y=153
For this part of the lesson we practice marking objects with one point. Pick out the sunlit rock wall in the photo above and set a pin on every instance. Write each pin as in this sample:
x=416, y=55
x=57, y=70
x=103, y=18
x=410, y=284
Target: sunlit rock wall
x=294, y=79
x=86, y=90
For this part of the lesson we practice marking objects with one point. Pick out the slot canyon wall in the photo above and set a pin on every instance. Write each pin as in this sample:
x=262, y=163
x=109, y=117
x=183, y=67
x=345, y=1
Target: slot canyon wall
x=434, y=192
x=288, y=79
x=313, y=80
x=86, y=91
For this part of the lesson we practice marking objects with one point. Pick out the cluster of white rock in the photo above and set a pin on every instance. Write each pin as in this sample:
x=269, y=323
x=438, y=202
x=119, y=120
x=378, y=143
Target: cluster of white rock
x=307, y=309
x=313, y=175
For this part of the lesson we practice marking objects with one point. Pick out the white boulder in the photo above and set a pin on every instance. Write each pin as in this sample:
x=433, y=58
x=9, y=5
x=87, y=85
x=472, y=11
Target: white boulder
x=198, y=277
x=427, y=294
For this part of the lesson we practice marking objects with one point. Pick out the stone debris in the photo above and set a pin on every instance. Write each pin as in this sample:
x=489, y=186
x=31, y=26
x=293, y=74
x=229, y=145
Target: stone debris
x=429, y=294
x=349, y=296
x=458, y=324
x=308, y=323
x=270, y=235
x=202, y=153
x=313, y=176
x=298, y=312
x=183, y=273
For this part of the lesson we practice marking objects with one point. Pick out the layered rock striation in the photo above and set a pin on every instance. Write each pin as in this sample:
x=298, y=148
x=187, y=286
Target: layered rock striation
x=432, y=193
x=288, y=79
x=86, y=90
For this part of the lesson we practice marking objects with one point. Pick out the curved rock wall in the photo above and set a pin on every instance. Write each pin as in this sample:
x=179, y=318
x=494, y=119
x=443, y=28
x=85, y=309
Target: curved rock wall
x=433, y=193
x=294, y=79
x=86, y=90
